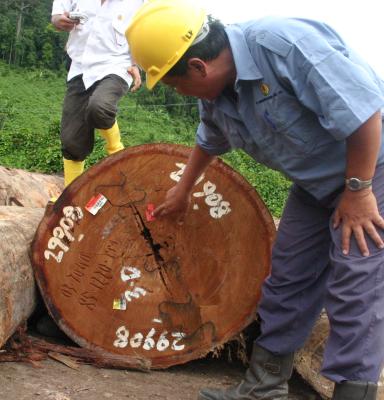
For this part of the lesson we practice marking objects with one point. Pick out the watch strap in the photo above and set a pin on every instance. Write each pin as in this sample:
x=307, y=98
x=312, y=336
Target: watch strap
x=356, y=184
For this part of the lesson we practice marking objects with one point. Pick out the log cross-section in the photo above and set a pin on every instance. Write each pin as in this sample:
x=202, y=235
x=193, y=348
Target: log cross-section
x=121, y=283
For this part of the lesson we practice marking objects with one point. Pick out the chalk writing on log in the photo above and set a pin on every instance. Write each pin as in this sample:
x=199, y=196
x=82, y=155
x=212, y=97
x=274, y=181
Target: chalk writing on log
x=62, y=235
x=152, y=340
x=130, y=275
x=218, y=207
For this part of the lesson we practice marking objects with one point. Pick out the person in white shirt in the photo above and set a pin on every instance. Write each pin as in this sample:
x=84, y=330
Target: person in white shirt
x=101, y=72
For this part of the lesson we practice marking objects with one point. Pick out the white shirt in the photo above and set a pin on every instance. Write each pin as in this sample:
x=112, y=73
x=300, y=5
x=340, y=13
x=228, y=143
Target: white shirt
x=98, y=47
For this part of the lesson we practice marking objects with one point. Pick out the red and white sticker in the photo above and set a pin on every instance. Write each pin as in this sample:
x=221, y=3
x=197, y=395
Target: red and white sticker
x=149, y=212
x=96, y=203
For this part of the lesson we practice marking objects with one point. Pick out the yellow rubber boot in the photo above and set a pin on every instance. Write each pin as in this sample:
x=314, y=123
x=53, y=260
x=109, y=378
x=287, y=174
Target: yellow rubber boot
x=112, y=136
x=72, y=169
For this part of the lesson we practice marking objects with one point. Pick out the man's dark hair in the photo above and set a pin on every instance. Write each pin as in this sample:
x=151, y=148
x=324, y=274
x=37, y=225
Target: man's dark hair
x=208, y=49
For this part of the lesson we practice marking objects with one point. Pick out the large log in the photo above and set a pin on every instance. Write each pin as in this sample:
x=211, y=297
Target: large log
x=17, y=285
x=28, y=189
x=309, y=359
x=120, y=283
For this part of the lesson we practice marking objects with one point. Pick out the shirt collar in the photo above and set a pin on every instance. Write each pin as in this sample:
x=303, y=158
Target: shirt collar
x=246, y=68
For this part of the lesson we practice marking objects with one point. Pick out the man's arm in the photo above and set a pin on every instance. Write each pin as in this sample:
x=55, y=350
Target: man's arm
x=178, y=198
x=357, y=210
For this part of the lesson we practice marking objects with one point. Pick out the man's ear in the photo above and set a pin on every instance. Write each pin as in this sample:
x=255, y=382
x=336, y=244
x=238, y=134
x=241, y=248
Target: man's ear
x=197, y=66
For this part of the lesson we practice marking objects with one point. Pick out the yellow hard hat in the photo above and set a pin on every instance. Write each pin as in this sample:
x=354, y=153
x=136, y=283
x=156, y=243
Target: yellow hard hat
x=160, y=33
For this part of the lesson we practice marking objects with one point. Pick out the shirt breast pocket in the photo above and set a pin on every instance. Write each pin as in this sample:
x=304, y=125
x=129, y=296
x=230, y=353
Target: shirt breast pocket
x=290, y=124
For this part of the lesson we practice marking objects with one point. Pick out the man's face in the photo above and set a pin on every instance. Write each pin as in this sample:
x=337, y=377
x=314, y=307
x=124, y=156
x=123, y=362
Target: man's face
x=200, y=81
x=189, y=86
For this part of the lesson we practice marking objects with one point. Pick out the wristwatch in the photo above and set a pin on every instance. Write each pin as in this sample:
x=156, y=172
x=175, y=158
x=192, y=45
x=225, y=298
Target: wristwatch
x=356, y=184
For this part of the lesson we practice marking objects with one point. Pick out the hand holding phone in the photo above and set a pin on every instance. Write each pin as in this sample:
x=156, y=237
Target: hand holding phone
x=79, y=17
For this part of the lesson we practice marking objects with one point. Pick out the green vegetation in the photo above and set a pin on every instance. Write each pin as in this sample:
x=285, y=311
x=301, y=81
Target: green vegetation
x=26, y=36
x=30, y=111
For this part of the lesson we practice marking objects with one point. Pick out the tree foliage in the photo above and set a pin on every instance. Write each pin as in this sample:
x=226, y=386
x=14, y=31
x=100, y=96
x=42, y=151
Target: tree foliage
x=27, y=38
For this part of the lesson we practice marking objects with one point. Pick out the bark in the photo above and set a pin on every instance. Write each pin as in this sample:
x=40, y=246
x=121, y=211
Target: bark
x=19, y=22
x=17, y=284
x=28, y=189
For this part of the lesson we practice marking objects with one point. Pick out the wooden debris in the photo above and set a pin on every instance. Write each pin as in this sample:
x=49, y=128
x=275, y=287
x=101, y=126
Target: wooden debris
x=17, y=349
x=22, y=347
x=68, y=361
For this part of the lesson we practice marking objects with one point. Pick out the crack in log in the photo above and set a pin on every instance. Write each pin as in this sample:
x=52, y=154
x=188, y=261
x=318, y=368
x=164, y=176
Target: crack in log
x=146, y=233
x=13, y=200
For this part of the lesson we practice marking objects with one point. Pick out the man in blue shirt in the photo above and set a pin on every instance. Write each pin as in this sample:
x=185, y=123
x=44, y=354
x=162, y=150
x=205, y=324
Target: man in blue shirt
x=295, y=97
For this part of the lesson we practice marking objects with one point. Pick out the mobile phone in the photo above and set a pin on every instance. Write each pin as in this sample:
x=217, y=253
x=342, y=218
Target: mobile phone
x=78, y=16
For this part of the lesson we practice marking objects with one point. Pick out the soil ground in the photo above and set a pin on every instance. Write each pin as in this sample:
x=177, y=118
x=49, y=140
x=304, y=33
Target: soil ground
x=56, y=381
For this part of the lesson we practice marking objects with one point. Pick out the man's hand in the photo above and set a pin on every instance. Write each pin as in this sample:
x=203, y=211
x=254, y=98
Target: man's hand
x=176, y=204
x=358, y=215
x=63, y=23
x=178, y=198
x=134, y=71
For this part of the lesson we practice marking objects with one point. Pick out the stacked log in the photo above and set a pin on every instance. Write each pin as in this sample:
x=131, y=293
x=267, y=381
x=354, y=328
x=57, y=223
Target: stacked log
x=28, y=189
x=17, y=284
x=30, y=192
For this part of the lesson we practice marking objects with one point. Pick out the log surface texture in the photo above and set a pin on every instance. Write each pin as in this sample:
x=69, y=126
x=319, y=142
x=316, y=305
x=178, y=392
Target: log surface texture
x=28, y=189
x=17, y=284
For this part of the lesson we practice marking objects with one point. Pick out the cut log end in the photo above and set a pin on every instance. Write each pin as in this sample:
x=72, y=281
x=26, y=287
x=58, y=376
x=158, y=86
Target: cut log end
x=120, y=283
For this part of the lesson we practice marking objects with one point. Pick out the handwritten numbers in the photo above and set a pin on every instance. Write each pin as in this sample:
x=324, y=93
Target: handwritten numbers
x=218, y=207
x=161, y=343
x=62, y=235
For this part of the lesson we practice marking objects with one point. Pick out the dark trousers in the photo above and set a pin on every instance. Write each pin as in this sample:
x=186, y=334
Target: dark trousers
x=309, y=273
x=87, y=110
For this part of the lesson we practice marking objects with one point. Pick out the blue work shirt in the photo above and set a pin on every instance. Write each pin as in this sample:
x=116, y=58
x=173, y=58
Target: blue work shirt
x=301, y=91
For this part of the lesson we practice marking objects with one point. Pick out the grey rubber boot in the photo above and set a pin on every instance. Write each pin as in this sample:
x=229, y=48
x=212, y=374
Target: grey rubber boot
x=355, y=390
x=266, y=378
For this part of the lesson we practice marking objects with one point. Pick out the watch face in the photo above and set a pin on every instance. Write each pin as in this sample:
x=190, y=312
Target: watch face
x=354, y=183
